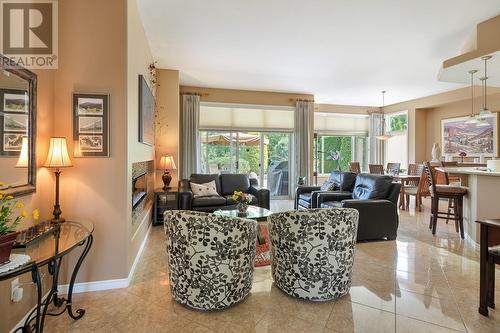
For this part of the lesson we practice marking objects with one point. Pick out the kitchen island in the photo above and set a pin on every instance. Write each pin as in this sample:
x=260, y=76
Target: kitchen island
x=483, y=199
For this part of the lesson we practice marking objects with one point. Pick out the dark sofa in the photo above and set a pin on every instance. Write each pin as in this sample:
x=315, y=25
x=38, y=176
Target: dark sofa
x=306, y=196
x=226, y=184
x=376, y=199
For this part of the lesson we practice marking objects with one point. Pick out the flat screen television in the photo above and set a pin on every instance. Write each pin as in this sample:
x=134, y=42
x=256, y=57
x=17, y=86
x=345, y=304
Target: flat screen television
x=146, y=113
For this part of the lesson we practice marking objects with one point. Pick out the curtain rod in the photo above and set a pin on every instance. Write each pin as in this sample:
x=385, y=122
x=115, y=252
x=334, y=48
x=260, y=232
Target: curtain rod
x=301, y=100
x=192, y=93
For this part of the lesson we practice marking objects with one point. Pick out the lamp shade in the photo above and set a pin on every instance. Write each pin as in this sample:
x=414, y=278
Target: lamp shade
x=23, y=160
x=167, y=163
x=58, y=156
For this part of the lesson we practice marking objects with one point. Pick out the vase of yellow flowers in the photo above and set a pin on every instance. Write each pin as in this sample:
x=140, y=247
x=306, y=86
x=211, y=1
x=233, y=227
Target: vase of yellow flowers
x=242, y=201
x=11, y=214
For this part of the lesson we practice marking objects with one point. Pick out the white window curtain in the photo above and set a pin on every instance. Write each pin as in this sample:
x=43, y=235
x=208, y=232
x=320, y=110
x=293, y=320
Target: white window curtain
x=303, y=138
x=376, y=146
x=190, y=153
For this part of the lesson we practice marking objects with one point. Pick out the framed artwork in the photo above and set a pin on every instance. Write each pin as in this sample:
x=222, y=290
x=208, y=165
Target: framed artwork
x=458, y=136
x=14, y=120
x=90, y=125
x=146, y=113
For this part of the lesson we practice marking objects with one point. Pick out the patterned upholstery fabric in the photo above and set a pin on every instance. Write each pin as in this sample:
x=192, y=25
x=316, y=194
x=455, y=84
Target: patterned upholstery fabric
x=211, y=258
x=313, y=252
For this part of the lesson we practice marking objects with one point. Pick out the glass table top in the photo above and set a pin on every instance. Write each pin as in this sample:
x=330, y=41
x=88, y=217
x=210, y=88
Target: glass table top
x=253, y=213
x=43, y=250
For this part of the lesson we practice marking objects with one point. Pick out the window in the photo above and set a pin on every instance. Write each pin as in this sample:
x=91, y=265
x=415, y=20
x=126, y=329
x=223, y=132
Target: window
x=396, y=149
x=250, y=139
x=340, y=139
x=334, y=152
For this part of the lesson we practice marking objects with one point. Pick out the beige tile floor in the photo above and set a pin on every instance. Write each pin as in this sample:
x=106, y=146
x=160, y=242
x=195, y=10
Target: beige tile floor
x=418, y=283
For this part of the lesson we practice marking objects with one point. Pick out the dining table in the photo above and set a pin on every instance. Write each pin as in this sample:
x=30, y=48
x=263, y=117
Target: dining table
x=404, y=179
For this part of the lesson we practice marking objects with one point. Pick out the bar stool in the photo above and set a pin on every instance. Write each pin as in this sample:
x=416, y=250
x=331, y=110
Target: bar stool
x=446, y=192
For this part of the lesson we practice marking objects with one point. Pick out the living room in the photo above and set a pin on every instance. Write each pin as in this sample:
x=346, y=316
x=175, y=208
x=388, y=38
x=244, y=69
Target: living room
x=348, y=118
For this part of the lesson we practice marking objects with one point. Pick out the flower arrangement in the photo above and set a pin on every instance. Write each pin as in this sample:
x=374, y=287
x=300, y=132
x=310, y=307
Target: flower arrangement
x=9, y=221
x=242, y=200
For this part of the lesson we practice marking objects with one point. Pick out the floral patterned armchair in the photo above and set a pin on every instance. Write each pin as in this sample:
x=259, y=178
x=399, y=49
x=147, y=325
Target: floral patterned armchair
x=312, y=252
x=210, y=258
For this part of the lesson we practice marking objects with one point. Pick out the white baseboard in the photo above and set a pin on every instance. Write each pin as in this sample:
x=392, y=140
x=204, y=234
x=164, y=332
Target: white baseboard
x=83, y=287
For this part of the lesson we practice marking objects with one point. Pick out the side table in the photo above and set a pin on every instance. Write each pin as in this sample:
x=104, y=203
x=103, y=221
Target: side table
x=164, y=200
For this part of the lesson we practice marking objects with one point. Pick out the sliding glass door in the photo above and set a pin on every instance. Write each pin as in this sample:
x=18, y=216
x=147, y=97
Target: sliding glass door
x=334, y=152
x=263, y=156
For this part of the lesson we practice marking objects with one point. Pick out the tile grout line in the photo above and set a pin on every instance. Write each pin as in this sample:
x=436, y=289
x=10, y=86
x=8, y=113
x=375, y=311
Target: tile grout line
x=454, y=298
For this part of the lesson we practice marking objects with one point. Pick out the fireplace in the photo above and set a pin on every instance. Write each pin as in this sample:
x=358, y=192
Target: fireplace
x=139, y=189
x=142, y=189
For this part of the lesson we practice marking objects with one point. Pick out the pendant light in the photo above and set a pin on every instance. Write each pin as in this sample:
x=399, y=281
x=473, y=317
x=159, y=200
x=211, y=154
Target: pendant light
x=485, y=113
x=384, y=136
x=472, y=120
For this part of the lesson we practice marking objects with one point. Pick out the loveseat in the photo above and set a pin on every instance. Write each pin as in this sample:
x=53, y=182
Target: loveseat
x=225, y=184
x=376, y=199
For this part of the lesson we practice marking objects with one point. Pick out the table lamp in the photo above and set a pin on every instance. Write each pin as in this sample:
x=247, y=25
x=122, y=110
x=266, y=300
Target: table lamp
x=57, y=158
x=23, y=160
x=167, y=163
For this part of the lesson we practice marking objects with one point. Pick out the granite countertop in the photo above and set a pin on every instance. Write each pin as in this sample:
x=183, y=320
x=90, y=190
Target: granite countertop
x=469, y=171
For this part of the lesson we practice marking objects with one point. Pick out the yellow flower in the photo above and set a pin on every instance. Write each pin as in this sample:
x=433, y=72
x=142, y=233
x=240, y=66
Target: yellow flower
x=9, y=197
x=19, y=205
x=36, y=214
x=24, y=213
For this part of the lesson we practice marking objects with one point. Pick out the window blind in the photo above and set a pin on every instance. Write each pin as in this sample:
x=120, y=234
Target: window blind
x=242, y=117
x=340, y=123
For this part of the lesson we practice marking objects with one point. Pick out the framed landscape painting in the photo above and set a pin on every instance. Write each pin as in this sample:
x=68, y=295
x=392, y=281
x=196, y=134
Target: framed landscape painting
x=14, y=120
x=458, y=136
x=90, y=125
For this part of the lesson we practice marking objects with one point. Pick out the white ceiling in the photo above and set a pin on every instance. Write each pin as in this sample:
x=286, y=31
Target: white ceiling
x=343, y=52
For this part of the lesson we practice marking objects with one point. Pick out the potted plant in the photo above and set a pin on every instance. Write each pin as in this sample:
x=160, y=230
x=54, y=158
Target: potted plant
x=8, y=223
x=242, y=200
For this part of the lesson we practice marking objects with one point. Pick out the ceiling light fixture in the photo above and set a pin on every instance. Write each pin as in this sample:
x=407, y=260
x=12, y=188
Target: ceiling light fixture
x=485, y=113
x=472, y=117
x=384, y=136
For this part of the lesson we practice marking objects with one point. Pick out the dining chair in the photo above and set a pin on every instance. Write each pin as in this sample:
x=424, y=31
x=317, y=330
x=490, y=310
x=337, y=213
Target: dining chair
x=393, y=168
x=377, y=169
x=355, y=167
x=419, y=189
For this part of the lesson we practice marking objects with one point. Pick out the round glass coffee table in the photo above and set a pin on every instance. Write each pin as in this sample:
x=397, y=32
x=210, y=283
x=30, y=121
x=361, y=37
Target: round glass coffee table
x=253, y=213
x=260, y=215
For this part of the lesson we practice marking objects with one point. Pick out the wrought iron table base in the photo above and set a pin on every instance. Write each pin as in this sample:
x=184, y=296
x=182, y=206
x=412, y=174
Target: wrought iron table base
x=36, y=319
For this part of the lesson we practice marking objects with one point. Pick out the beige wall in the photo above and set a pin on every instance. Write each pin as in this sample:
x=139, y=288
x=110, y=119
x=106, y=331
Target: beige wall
x=245, y=96
x=168, y=127
x=457, y=109
x=425, y=116
x=95, y=189
x=335, y=108
x=138, y=59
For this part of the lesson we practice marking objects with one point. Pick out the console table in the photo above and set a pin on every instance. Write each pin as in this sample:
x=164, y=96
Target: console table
x=49, y=251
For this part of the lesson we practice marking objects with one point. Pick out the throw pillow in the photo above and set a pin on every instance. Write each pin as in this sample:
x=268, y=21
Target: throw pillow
x=204, y=190
x=328, y=186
